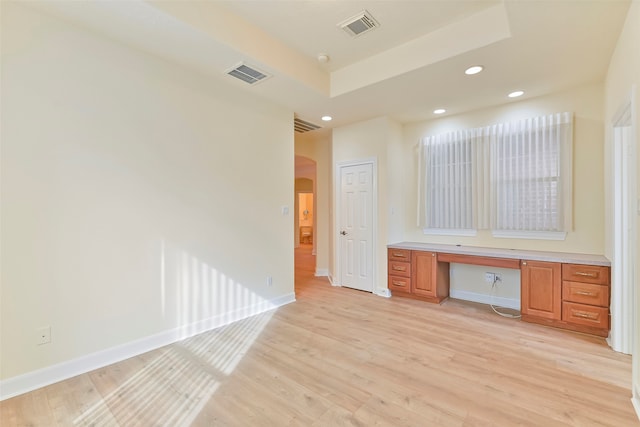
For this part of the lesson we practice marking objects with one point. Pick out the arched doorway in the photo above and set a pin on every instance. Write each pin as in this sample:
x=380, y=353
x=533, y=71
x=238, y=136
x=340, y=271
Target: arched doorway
x=305, y=224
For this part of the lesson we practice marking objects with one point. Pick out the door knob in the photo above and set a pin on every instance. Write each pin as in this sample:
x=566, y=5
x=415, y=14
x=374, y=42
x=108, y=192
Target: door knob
x=344, y=233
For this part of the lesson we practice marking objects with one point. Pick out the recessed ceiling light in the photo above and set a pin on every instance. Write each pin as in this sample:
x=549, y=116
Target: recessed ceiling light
x=327, y=118
x=516, y=94
x=439, y=111
x=473, y=70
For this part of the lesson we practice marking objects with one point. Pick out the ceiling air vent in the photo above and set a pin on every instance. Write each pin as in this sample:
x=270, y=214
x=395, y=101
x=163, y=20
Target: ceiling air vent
x=247, y=74
x=359, y=24
x=302, y=126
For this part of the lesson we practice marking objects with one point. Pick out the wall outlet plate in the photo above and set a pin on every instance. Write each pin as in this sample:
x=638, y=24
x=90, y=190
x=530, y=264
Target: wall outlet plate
x=489, y=277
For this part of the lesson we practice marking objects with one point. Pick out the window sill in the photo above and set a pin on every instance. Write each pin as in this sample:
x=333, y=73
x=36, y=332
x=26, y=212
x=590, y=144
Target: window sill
x=450, y=232
x=534, y=235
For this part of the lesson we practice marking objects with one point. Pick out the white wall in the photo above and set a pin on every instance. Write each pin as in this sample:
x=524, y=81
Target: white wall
x=622, y=78
x=130, y=203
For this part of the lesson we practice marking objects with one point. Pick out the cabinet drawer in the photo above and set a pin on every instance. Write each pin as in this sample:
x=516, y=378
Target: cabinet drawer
x=585, y=293
x=402, y=284
x=399, y=268
x=586, y=273
x=580, y=314
x=399, y=255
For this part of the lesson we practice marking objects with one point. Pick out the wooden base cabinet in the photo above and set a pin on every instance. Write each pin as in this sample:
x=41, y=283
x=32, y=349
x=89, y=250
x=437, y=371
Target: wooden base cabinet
x=541, y=289
x=563, y=295
x=430, y=277
x=417, y=274
x=585, y=297
x=569, y=296
x=399, y=269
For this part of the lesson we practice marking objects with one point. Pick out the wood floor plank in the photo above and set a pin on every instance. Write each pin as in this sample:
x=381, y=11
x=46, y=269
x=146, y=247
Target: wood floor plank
x=341, y=357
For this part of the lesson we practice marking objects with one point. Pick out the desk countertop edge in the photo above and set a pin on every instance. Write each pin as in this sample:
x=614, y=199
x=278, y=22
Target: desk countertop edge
x=563, y=257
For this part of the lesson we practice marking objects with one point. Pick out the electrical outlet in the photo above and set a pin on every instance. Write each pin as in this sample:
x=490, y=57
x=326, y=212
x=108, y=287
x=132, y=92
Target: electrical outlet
x=269, y=280
x=43, y=335
x=489, y=277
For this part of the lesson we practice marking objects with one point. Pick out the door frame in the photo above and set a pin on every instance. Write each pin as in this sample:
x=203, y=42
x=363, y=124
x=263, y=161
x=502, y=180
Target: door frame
x=625, y=206
x=337, y=197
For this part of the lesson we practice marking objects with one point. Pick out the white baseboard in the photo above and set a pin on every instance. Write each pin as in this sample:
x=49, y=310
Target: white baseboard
x=485, y=299
x=322, y=272
x=383, y=292
x=52, y=374
x=332, y=281
x=635, y=400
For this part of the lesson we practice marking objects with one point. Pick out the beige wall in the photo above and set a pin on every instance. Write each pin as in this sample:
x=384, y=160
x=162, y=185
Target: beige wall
x=588, y=224
x=588, y=188
x=304, y=185
x=397, y=194
x=623, y=77
x=397, y=183
x=316, y=146
x=130, y=206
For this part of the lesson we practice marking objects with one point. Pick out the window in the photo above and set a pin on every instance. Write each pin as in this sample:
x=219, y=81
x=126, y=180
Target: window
x=449, y=176
x=514, y=178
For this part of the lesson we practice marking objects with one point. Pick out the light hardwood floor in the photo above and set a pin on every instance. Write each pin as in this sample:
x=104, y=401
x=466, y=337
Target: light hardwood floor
x=340, y=357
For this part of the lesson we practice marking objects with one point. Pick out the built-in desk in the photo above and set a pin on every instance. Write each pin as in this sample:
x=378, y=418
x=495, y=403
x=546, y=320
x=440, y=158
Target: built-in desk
x=565, y=290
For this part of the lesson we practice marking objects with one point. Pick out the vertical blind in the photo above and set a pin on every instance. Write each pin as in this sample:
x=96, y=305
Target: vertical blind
x=509, y=177
x=448, y=169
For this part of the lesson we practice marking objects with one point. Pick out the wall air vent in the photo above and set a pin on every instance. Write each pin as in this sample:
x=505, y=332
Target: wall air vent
x=248, y=74
x=359, y=24
x=303, y=126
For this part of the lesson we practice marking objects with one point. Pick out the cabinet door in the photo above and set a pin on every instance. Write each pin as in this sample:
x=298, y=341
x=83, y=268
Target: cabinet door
x=541, y=287
x=424, y=273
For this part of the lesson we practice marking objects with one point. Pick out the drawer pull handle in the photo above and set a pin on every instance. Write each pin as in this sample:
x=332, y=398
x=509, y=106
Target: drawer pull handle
x=589, y=294
x=399, y=268
x=585, y=315
x=397, y=283
x=582, y=273
x=398, y=254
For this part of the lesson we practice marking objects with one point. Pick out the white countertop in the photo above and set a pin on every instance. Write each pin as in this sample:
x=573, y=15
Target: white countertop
x=563, y=257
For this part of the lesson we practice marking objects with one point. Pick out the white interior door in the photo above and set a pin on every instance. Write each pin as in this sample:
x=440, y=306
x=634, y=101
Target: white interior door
x=356, y=226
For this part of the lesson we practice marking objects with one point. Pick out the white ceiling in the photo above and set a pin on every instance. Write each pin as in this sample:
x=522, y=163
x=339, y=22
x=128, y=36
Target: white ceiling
x=413, y=63
x=311, y=26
